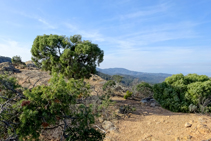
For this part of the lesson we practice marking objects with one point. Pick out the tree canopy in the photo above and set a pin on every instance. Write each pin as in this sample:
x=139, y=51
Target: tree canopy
x=69, y=56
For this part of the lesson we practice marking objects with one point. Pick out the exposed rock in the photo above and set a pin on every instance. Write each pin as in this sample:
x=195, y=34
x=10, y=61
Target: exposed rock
x=100, y=119
x=31, y=66
x=152, y=104
x=31, y=78
x=149, y=102
x=5, y=59
x=8, y=67
x=145, y=101
x=107, y=125
x=29, y=62
x=188, y=124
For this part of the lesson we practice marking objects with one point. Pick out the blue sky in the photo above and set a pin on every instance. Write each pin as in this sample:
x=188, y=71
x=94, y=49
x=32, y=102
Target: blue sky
x=167, y=36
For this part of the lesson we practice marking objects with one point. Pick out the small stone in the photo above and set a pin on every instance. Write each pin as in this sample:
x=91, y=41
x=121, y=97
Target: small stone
x=107, y=125
x=100, y=119
x=189, y=137
x=152, y=104
x=188, y=124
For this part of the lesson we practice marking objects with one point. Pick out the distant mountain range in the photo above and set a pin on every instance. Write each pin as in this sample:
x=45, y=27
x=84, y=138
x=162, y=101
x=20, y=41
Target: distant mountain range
x=142, y=76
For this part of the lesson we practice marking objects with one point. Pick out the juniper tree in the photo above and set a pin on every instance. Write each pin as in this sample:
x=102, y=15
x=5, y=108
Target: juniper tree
x=69, y=56
x=180, y=93
x=16, y=60
x=23, y=115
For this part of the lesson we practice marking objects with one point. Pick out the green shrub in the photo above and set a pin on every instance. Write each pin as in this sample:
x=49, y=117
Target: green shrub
x=144, y=88
x=128, y=94
x=43, y=106
x=181, y=93
x=16, y=60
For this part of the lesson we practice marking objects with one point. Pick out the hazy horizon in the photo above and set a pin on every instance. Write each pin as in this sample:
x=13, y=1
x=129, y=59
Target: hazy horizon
x=160, y=36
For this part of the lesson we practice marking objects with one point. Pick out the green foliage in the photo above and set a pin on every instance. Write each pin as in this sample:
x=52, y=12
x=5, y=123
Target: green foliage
x=69, y=56
x=16, y=60
x=128, y=94
x=181, y=93
x=109, y=83
x=44, y=106
x=8, y=113
x=144, y=88
x=104, y=108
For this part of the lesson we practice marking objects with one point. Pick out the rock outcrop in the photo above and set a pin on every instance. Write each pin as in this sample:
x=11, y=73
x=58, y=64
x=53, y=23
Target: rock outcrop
x=8, y=67
x=5, y=59
x=31, y=78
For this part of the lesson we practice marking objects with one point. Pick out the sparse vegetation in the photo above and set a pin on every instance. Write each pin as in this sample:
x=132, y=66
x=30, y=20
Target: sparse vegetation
x=109, y=84
x=16, y=61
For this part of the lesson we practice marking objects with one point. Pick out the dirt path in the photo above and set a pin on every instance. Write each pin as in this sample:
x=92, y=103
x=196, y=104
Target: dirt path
x=157, y=124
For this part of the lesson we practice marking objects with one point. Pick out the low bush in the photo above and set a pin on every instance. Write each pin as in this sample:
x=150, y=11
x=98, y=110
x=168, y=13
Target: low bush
x=179, y=93
x=144, y=89
x=128, y=94
x=25, y=115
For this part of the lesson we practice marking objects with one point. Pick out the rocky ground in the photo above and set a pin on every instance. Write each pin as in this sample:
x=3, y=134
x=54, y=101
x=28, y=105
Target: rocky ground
x=149, y=122
x=157, y=124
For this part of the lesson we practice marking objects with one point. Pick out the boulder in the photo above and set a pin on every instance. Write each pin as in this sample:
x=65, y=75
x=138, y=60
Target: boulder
x=149, y=102
x=31, y=66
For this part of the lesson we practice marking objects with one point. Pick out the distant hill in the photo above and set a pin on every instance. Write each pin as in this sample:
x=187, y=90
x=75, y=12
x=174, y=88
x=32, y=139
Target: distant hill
x=142, y=76
x=127, y=79
x=5, y=59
